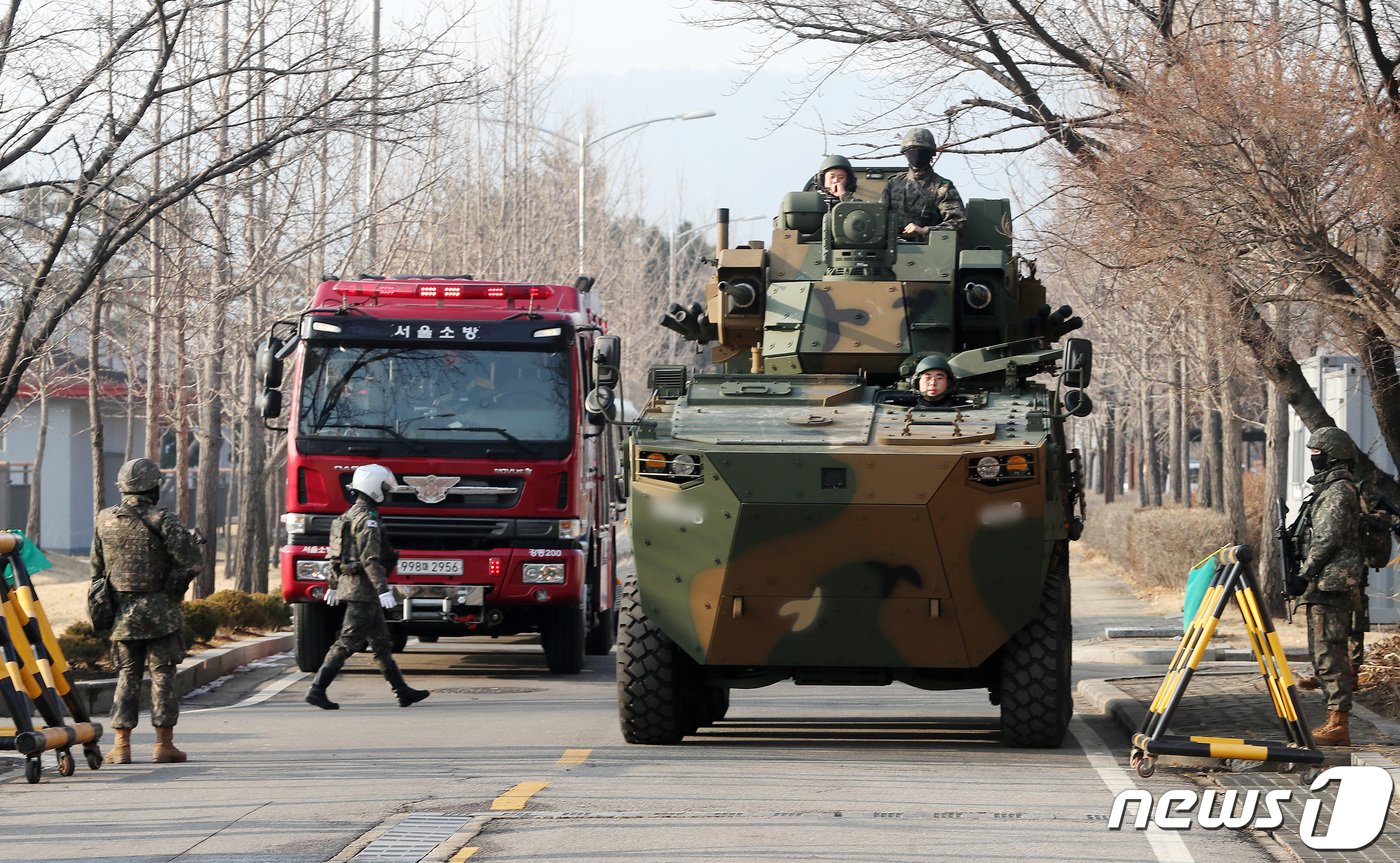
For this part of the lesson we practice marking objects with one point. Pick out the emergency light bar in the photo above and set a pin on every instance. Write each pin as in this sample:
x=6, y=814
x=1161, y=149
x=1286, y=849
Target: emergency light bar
x=422, y=291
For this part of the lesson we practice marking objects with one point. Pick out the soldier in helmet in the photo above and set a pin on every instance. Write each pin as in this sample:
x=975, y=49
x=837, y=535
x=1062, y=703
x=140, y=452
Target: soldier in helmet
x=935, y=383
x=149, y=559
x=361, y=559
x=837, y=178
x=919, y=198
x=1328, y=536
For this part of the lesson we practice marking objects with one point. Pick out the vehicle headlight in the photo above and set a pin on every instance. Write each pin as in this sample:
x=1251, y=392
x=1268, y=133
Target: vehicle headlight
x=988, y=467
x=543, y=573
x=313, y=570
x=570, y=528
x=295, y=522
x=684, y=464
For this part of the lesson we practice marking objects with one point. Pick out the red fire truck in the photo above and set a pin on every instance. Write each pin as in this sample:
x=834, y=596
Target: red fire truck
x=472, y=393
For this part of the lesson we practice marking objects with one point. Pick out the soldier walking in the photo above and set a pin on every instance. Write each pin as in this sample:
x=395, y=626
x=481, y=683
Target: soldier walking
x=361, y=559
x=1328, y=536
x=149, y=559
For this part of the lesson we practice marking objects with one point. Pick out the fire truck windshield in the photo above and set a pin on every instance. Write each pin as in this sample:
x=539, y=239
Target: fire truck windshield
x=442, y=398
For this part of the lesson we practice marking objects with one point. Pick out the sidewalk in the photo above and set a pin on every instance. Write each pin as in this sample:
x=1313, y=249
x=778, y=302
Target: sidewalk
x=1121, y=653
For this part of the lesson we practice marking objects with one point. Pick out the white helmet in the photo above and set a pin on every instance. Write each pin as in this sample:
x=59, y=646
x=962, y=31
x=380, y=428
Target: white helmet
x=374, y=481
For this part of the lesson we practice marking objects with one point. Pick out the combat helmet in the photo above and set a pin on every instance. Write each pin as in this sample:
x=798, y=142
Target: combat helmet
x=836, y=162
x=138, y=475
x=918, y=138
x=934, y=362
x=1334, y=443
x=373, y=481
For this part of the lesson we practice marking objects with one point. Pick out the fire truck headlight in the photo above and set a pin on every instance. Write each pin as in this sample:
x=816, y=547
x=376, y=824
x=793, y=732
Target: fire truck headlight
x=543, y=573
x=295, y=522
x=570, y=528
x=313, y=570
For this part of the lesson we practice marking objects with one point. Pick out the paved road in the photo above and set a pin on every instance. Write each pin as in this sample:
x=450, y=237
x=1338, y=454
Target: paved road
x=890, y=774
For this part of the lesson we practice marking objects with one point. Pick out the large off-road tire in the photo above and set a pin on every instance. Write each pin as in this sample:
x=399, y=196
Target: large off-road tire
x=316, y=626
x=602, y=634
x=652, y=701
x=562, y=634
x=1036, y=700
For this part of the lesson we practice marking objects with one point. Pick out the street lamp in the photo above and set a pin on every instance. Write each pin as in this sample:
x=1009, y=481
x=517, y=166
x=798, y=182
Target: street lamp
x=584, y=144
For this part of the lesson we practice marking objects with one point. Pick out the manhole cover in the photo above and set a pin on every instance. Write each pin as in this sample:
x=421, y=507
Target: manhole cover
x=489, y=690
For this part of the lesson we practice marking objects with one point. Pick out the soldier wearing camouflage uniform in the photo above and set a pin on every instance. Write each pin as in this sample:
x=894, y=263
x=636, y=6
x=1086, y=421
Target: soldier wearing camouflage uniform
x=361, y=559
x=836, y=179
x=1331, y=563
x=149, y=559
x=919, y=199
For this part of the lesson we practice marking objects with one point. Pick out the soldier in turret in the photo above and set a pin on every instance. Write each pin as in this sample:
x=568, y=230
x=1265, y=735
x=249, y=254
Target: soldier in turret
x=361, y=559
x=1328, y=534
x=919, y=198
x=149, y=559
x=837, y=179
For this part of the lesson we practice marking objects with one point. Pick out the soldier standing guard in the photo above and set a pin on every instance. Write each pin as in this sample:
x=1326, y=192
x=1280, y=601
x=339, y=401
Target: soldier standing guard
x=361, y=559
x=149, y=559
x=1329, y=547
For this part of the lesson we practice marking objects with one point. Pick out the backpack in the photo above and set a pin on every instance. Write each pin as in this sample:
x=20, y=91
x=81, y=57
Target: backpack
x=1375, y=535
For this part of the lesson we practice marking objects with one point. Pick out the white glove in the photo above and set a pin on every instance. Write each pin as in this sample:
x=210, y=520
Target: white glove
x=387, y=600
x=331, y=597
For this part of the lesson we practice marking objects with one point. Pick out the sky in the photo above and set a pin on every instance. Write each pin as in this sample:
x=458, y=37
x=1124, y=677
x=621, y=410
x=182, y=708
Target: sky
x=635, y=60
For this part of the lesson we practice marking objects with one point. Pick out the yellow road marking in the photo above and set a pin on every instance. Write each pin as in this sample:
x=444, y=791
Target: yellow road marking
x=517, y=797
x=575, y=756
x=462, y=855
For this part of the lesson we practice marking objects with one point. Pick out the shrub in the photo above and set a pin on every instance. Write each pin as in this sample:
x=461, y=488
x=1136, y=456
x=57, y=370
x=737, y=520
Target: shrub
x=82, y=646
x=1163, y=544
x=234, y=608
x=273, y=612
x=1106, y=528
x=201, y=621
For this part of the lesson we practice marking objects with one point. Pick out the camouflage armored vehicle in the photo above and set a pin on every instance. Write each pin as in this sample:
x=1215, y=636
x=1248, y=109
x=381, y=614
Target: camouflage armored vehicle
x=798, y=515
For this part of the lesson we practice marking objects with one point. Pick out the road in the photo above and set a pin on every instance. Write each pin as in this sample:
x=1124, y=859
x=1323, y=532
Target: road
x=820, y=773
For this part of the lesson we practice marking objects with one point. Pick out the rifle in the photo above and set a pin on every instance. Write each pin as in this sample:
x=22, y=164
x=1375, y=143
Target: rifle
x=1293, y=583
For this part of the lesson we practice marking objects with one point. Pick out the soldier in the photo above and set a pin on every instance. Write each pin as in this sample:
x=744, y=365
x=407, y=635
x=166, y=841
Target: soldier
x=149, y=559
x=837, y=179
x=935, y=382
x=361, y=559
x=920, y=198
x=1331, y=563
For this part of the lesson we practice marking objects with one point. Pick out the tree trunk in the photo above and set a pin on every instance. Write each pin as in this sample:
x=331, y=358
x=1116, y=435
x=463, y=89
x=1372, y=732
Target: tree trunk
x=1110, y=455
x=32, y=521
x=207, y=476
x=1151, y=476
x=1275, y=487
x=94, y=396
x=1231, y=479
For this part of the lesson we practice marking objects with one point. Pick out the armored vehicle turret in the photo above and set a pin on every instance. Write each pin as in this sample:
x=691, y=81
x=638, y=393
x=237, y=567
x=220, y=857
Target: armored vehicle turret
x=803, y=513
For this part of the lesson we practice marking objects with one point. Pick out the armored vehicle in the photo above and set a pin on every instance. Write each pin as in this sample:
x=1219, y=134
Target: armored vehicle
x=798, y=515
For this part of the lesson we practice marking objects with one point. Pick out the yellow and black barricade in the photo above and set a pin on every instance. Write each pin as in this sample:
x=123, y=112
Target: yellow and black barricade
x=1233, y=577
x=37, y=677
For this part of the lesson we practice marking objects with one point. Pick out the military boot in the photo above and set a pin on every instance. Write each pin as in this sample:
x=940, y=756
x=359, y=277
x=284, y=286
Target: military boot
x=1335, y=731
x=316, y=695
x=165, y=751
x=121, y=749
x=407, y=695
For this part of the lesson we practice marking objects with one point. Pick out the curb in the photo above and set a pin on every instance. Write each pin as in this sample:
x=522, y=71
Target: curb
x=194, y=672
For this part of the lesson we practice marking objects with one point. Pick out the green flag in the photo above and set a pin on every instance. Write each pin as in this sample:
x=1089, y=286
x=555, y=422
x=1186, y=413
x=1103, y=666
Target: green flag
x=1196, y=583
x=30, y=555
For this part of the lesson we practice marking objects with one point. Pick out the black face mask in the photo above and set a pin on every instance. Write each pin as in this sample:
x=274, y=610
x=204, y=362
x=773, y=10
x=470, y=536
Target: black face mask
x=1320, y=461
x=919, y=158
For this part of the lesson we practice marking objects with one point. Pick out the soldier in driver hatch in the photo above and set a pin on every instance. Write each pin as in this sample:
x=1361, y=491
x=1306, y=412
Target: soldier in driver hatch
x=361, y=559
x=920, y=199
x=935, y=383
x=1328, y=537
x=149, y=559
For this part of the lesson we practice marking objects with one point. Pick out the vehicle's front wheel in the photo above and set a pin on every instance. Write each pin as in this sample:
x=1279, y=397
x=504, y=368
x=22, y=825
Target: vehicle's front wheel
x=315, y=626
x=1036, y=699
x=651, y=672
x=562, y=635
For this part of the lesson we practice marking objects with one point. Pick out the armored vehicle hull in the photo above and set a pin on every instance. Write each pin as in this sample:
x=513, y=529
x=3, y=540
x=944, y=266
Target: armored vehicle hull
x=807, y=519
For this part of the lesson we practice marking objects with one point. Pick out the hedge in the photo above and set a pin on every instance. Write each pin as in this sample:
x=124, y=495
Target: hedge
x=1157, y=546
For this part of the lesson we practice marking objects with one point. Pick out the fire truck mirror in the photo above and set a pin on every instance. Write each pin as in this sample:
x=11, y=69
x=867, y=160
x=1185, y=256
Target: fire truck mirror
x=270, y=403
x=268, y=366
x=607, y=361
x=601, y=404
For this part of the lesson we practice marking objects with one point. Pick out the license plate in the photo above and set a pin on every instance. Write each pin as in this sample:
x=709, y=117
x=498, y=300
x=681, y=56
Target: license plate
x=423, y=566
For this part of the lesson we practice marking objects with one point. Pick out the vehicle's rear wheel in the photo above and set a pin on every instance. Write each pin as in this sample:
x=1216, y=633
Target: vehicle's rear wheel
x=651, y=678
x=1036, y=700
x=602, y=634
x=562, y=635
x=315, y=626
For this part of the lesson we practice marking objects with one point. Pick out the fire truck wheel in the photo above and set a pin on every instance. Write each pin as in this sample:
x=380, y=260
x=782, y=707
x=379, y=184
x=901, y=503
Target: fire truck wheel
x=602, y=633
x=562, y=635
x=316, y=627
x=427, y=639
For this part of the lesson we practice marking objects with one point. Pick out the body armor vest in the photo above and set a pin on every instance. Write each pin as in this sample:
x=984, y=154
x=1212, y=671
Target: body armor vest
x=136, y=558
